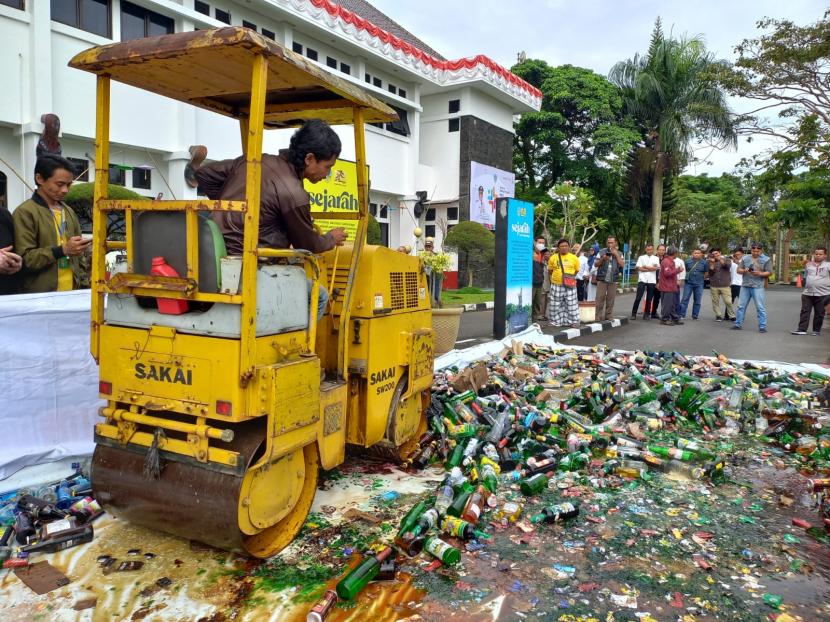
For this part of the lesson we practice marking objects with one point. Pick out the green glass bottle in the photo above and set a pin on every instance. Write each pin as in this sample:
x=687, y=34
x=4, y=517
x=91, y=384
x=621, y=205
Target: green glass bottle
x=456, y=456
x=673, y=453
x=447, y=553
x=350, y=585
x=534, y=485
x=411, y=519
x=457, y=506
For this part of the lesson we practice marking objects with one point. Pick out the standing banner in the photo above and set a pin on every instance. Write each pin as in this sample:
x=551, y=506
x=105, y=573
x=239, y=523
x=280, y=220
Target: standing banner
x=336, y=193
x=514, y=267
x=487, y=186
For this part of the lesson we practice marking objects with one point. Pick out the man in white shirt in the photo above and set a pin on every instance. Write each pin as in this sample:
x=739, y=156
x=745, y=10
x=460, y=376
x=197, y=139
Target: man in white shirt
x=647, y=267
x=582, y=277
x=737, y=279
x=681, y=274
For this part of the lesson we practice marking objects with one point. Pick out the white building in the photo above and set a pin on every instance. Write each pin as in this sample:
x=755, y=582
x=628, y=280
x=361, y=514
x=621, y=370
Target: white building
x=453, y=112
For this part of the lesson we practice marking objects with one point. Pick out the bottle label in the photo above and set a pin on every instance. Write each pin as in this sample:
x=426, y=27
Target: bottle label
x=437, y=547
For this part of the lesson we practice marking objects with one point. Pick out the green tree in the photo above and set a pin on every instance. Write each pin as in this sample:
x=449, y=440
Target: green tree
x=373, y=235
x=80, y=198
x=574, y=213
x=475, y=245
x=708, y=208
x=580, y=134
x=787, y=70
x=673, y=95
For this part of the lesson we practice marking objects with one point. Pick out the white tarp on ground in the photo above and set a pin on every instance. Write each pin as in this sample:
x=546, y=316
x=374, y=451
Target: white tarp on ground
x=49, y=379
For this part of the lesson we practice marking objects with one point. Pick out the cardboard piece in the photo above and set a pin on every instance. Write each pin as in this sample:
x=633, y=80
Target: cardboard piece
x=86, y=603
x=42, y=577
x=473, y=378
x=353, y=513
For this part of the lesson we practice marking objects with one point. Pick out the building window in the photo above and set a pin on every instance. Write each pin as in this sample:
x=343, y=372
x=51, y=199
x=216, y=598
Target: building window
x=455, y=125
x=401, y=93
x=251, y=25
x=373, y=209
x=222, y=16
x=377, y=82
x=367, y=78
x=15, y=4
x=118, y=175
x=401, y=126
x=452, y=213
x=430, y=230
x=384, y=211
x=393, y=89
x=142, y=178
x=90, y=15
x=297, y=47
x=312, y=54
x=267, y=33
x=80, y=169
x=138, y=22
x=331, y=62
x=430, y=217
x=455, y=106
x=345, y=69
x=201, y=7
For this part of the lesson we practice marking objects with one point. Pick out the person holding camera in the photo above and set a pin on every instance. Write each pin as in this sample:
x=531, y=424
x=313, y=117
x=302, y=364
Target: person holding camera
x=755, y=268
x=609, y=262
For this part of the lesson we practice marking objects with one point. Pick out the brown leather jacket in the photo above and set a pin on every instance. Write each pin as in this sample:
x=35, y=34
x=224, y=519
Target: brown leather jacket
x=285, y=212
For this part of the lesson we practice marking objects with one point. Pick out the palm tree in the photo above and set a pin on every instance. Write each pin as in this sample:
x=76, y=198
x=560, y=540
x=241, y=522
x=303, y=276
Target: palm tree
x=673, y=95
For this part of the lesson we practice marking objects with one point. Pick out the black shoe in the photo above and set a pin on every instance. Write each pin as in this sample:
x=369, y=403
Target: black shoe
x=678, y=322
x=666, y=322
x=762, y=330
x=736, y=328
x=798, y=332
x=719, y=319
x=633, y=317
x=815, y=333
x=693, y=317
x=645, y=317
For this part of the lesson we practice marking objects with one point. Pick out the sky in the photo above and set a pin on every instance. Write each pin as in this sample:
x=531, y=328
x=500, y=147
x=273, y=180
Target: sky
x=595, y=34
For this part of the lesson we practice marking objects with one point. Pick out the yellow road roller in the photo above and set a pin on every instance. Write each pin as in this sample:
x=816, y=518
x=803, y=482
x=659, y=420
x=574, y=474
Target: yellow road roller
x=220, y=413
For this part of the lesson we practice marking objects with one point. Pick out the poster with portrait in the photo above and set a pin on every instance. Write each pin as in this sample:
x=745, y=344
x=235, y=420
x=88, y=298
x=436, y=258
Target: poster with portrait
x=488, y=185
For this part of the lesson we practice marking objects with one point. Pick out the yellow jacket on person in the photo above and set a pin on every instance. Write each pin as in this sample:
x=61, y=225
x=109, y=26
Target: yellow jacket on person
x=570, y=262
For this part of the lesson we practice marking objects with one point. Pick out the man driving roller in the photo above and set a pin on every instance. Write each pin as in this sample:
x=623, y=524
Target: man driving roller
x=285, y=211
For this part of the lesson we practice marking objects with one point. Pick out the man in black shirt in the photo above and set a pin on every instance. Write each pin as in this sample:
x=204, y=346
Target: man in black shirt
x=10, y=262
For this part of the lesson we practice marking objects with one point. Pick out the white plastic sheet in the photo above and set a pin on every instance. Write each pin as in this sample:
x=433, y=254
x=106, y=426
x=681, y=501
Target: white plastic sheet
x=49, y=379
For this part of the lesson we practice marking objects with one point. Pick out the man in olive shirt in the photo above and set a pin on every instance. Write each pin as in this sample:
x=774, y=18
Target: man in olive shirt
x=285, y=211
x=720, y=278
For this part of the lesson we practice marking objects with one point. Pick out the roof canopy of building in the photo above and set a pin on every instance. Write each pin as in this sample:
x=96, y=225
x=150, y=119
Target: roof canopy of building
x=364, y=30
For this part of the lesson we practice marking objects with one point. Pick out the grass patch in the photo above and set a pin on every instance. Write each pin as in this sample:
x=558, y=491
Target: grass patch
x=466, y=295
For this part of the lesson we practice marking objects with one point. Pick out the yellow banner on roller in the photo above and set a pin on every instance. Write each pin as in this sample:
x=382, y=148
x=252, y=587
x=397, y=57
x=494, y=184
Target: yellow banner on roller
x=336, y=193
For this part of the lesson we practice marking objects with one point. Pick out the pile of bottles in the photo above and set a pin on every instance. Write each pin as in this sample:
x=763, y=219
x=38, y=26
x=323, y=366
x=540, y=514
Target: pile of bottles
x=542, y=414
x=545, y=413
x=47, y=519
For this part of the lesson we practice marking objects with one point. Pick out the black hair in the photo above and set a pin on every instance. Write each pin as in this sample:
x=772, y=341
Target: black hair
x=822, y=248
x=712, y=250
x=540, y=237
x=561, y=240
x=315, y=137
x=46, y=166
x=738, y=250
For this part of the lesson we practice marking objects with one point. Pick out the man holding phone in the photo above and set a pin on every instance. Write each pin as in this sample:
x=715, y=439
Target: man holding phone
x=609, y=262
x=755, y=268
x=47, y=233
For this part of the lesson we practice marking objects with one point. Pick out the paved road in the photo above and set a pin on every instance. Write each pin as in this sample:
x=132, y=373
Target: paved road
x=696, y=337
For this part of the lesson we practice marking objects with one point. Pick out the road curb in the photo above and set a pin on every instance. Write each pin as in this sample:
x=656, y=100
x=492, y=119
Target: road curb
x=480, y=306
x=588, y=329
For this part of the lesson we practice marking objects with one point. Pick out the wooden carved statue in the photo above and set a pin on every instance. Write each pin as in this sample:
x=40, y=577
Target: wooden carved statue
x=49, y=143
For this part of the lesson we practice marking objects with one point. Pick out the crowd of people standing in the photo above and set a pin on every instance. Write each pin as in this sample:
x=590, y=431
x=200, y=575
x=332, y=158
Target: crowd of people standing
x=668, y=287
